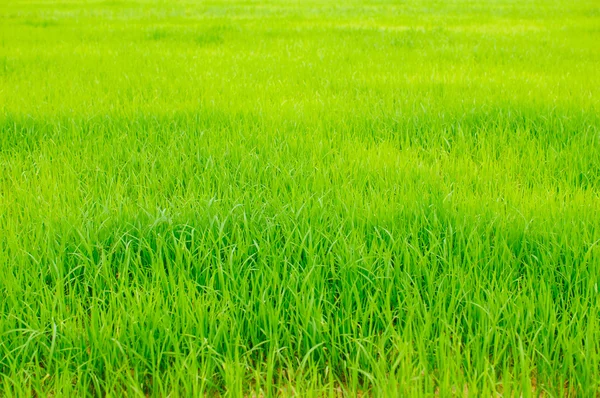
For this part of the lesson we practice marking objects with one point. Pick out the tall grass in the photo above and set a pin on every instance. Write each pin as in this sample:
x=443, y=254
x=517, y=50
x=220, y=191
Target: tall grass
x=312, y=198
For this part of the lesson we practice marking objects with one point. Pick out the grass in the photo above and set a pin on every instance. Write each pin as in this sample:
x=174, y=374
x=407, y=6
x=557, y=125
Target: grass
x=319, y=198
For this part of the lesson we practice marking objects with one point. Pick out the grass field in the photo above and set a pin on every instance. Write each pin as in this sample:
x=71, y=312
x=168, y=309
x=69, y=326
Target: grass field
x=312, y=197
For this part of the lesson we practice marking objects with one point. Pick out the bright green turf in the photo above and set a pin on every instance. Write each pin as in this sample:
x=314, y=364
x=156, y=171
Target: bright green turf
x=320, y=197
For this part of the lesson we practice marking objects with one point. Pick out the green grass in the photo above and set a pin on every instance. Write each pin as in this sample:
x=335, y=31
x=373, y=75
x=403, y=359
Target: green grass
x=259, y=198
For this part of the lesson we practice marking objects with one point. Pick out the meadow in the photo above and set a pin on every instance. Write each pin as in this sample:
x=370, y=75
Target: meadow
x=314, y=198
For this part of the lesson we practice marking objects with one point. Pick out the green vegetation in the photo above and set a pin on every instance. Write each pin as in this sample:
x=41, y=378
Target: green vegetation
x=271, y=197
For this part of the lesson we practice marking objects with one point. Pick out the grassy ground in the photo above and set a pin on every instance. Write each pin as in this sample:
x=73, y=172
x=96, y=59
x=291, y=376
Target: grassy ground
x=312, y=197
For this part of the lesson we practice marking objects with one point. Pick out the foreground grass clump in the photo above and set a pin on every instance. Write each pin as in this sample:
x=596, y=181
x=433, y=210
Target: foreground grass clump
x=307, y=198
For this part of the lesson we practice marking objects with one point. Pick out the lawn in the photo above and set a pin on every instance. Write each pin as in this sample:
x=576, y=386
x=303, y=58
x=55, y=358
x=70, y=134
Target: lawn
x=313, y=197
